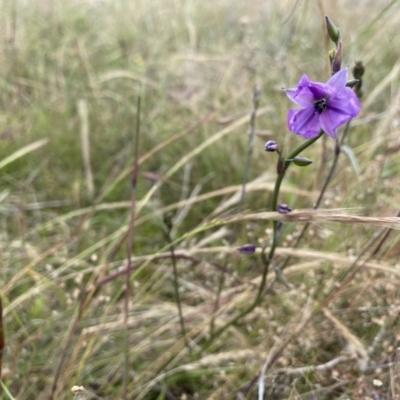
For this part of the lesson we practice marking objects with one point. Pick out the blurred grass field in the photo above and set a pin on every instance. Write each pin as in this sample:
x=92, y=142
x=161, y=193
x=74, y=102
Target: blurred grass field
x=70, y=76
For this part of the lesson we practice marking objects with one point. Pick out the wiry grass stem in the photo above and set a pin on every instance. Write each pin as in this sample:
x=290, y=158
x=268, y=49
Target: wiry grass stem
x=167, y=232
x=252, y=131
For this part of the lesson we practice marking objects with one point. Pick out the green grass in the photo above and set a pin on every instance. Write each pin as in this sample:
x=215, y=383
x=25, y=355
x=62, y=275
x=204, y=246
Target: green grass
x=195, y=65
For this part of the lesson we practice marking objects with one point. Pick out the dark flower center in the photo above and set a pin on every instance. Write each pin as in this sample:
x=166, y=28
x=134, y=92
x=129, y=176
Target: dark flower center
x=320, y=105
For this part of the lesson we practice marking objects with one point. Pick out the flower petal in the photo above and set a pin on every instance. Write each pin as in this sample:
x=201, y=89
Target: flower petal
x=341, y=103
x=339, y=80
x=304, y=122
x=301, y=95
x=330, y=121
x=345, y=102
x=320, y=90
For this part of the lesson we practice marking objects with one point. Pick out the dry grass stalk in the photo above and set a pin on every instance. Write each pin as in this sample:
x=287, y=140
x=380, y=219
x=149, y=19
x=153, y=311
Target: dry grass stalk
x=85, y=140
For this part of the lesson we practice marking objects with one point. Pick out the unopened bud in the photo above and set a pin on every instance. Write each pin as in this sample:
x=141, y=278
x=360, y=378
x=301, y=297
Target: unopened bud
x=333, y=31
x=302, y=161
x=358, y=70
x=247, y=248
x=284, y=209
x=337, y=61
x=352, y=82
x=271, y=146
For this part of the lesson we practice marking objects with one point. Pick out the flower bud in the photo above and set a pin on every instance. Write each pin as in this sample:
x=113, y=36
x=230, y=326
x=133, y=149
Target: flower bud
x=271, y=146
x=247, y=248
x=358, y=70
x=333, y=31
x=337, y=61
x=284, y=209
x=352, y=82
x=302, y=161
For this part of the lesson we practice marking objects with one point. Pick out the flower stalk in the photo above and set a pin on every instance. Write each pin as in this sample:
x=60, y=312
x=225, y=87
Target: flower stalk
x=275, y=194
x=324, y=107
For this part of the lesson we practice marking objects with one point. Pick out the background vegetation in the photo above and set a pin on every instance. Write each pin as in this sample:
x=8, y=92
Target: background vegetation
x=70, y=76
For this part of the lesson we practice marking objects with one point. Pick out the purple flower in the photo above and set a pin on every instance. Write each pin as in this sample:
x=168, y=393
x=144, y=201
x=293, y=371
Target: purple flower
x=325, y=106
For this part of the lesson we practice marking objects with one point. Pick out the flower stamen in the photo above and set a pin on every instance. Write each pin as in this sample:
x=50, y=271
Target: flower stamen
x=320, y=105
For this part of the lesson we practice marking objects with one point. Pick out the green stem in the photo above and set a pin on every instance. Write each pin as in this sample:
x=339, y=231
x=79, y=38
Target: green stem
x=266, y=261
x=279, y=179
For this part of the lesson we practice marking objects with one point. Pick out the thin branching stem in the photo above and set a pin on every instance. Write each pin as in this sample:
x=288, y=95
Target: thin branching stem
x=267, y=260
x=274, y=206
x=323, y=190
x=337, y=149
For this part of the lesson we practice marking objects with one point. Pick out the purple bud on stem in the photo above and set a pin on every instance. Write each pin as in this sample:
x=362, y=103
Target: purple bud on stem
x=284, y=209
x=271, y=146
x=337, y=61
x=247, y=248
